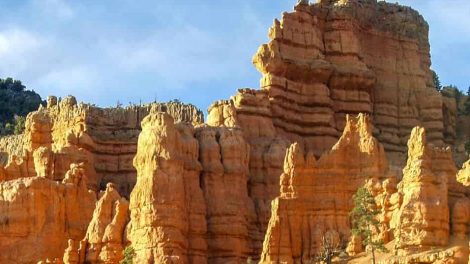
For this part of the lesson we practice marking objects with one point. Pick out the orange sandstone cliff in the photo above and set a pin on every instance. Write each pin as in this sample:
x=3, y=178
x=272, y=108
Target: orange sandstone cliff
x=346, y=101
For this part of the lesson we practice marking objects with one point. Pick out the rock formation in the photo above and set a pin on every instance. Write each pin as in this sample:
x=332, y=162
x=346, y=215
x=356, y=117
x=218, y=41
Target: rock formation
x=52, y=172
x=316, y=196
x=103, y=242
x=159, y=218
x=270, y=174
x=327, y=60
x=39, y=215
x=339, y=57
x=196, y=181
x=464, y=174
x=423, y=218
x=106, y=137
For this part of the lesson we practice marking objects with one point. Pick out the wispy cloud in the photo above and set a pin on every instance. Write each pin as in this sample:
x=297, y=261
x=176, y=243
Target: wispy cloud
x=80, y=79
x=180, y=55
x=17, y=48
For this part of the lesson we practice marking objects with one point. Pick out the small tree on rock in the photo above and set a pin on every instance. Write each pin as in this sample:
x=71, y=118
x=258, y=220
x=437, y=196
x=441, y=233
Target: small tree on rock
x=129, y=255
x=364, y=221
x=436, y=81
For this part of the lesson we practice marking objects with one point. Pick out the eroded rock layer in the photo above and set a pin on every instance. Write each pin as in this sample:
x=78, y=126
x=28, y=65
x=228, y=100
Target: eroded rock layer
x=107, y=137
x=327, y=60
x=103, y=242
x=39, y=215
x=316, y=195
x=271, y=173
x=190, y=203
x=423, y=218
x=338, y=57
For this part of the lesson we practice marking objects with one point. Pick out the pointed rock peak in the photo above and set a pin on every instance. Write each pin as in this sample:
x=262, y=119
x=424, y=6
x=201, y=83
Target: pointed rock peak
x=357, y=132
x=463, y=176
x=294, y=157
x=364, y=125
x=360, y=124
x=417, y=143
x=111, y=192
x=297, y=158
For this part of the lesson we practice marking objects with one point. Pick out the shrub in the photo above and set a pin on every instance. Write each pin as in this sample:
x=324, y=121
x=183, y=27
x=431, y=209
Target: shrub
x=129, y=255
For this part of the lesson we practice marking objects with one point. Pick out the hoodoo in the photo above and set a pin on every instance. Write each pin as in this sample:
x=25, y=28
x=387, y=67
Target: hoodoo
x=346, y=101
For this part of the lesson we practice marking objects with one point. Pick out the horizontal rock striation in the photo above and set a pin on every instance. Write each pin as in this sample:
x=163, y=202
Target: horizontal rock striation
x=272, y=172
x=335, y=58
x=105, y=137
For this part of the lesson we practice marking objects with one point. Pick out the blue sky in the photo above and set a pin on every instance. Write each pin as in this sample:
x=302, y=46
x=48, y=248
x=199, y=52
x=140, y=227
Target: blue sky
x=197, y=51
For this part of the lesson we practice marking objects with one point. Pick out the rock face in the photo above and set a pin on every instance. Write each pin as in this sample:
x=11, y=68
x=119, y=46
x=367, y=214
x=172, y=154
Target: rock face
x=52, y=173
x=325, y=61
x=339, y=57
x=159, y=218
x=105, y=137
x=103, y=242
x=190, y=203
x=316, y=196
x=464, y=174
x=39, y=215
x=273, y=170
x=423, y=218
x=224, y=156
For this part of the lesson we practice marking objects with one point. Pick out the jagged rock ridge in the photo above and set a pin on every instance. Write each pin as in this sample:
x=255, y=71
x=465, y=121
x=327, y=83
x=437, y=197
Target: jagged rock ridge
x=270, y=173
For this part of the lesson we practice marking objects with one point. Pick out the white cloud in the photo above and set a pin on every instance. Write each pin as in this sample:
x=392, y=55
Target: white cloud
x=17, y=48
x=179, y=55
x=79, y=79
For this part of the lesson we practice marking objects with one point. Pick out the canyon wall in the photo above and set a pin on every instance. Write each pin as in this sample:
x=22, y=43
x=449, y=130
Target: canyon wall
x=270, y=174
x=346, y=57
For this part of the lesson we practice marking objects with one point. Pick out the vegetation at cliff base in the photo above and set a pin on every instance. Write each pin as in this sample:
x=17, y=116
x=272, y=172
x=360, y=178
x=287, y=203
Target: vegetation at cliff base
x=15, y=103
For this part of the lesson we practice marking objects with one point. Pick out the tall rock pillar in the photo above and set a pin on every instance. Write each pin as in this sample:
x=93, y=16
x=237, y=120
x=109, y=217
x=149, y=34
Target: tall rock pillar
x=159, y=221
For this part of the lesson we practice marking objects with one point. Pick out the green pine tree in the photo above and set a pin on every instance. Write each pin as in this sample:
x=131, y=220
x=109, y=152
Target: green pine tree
x=436, y=81
x=364, y=221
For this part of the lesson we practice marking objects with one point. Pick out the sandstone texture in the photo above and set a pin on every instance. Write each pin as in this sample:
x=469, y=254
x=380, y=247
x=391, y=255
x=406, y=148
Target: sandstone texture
x=106, y=137
x=39, y=215
x=338, y=57
x=346, y=100
x=104, y=239
x=423, y=218
x=190, y=203
x=316, y=195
